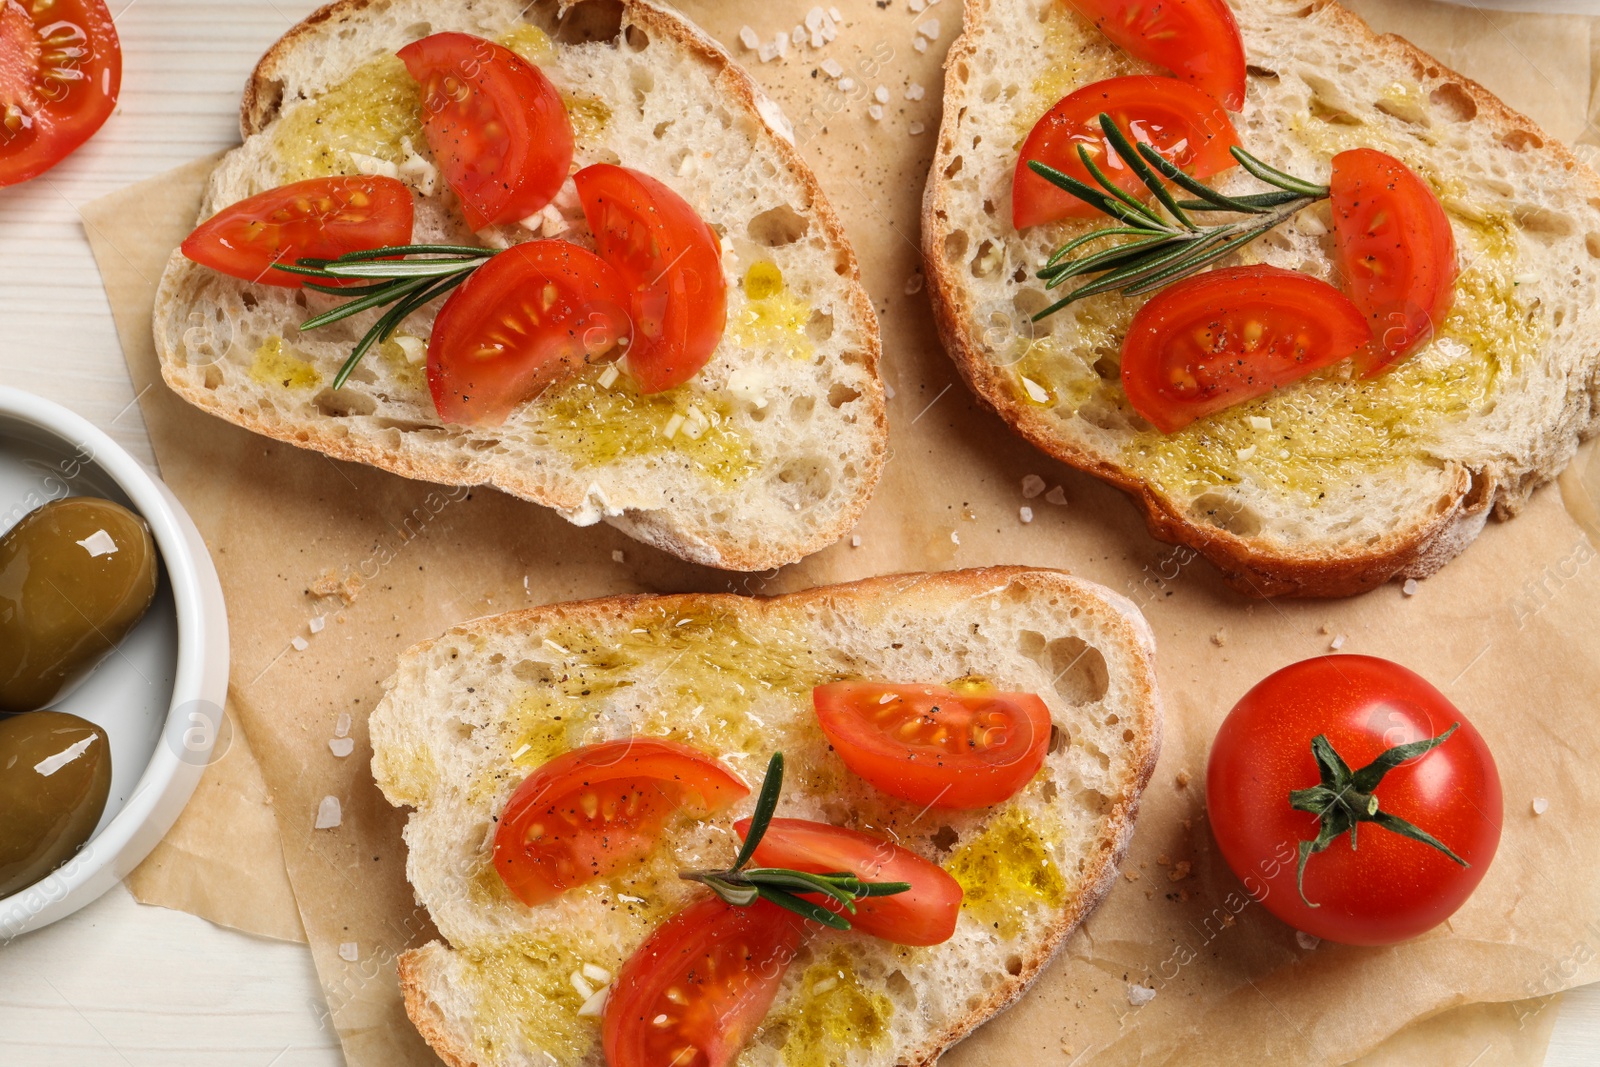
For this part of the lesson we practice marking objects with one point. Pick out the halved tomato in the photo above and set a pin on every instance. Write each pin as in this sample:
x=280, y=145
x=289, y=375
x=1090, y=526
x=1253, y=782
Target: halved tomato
x=1208, y=342
x=528, y=317
x=1198, y=40
x=924, y=915
x=60, y=73
x=696, y=990
x=494, y=122
x=1396, y=250
x=672, y=263
x=320, y=218
x=596, y=808
x=1184, y=124
x=932, y=745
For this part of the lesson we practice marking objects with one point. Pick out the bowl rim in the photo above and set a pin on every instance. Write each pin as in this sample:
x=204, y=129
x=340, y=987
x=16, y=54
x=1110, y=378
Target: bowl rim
x=168, y=780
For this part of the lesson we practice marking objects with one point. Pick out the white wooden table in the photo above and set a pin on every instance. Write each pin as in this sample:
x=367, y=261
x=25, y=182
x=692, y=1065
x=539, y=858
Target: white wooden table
x=119, y=983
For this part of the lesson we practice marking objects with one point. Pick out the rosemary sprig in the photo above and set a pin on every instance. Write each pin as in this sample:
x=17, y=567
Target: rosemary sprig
x=742, y=886
x=1162, y=247
x=407, y=284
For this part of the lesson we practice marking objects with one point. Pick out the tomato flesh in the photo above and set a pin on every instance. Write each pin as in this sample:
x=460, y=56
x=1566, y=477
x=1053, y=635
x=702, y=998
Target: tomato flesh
x=495, y=123
x=586, y=813
x=672, y=263
x=1198, y=40
x=528, y=317
x=1397, y=252
x=1390, y=888
x=320, y=218
x=697, y=989
x=1181, y=122
x=1213, y=340
x=932, y=745
x=60, y=73
x=924, y=915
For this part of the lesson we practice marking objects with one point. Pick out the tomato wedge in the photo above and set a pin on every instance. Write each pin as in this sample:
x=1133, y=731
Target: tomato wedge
x=1208, y=342
x=1184, y=124
x=1198, y=40
x=696, y=990
x=494, y=122
x=320, y=218
x=933, y=746
x=596, y=808
x=60, y=73
x=1396, y=250
x=528, y=317
x=672, y=263
x=924, y=915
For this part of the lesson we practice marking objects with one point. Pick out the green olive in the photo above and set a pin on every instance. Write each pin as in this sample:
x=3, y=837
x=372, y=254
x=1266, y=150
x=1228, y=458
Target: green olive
x=75, y=577
x=55, y=775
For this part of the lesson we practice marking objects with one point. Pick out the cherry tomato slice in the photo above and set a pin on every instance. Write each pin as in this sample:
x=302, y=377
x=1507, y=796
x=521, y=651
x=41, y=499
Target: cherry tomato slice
x=924, y=915
x=597, y=808
x=528, y=317
x=933, y=746
x=1185, y=125
x=1211, y=341
x=320, y=218
x=60, y=73
x=672, y=263
x=696, y=990
x=1390, y=887
x=1198, y=40
x=1396, y=250
x=494, y=122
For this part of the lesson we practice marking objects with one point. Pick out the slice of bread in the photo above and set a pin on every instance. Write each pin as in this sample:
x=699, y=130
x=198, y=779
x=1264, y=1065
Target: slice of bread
x=467, y=716
x=769, y=454
x=1330, y=486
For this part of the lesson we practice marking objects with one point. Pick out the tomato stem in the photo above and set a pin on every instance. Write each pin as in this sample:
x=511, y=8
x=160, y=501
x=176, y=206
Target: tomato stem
x=1345, y=799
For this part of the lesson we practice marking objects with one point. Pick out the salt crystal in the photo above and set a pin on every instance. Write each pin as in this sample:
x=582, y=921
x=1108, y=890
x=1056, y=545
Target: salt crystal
x=929, y=28
x=881, y=94
x=329, y=814
x=814, y=18
x=581, y=984
x=1410, y=588
x=768, y=52
x=341, y=725
x=833, y=13
x=1057, y=496
x=847, y=85
x=1540, y=805
x=920, y=44
x=832, y=67
x=672, y=426
x=875, y=112
x=817, y=40
x=317, y=623
x=1032, y=486
x=1306, y=941
x=914, y=284
x=609, y=376
x=955, y=538
x=798, y=36
x=749, y=38
x=1337, y=643
x=888, y=391
x=781, y=43
x=595, y=973
x=341, y=746
x=916, y=128
x=300, y=644
x=829, y=31
x=855, y=540
x=1246, y=453
x=1140, y=995
x=349, y=951
x=918, y=6
x=1035, y=391
x=617, y=556
x=1259, y=423
x=595, y=1005
x=99, y=544
x=1025, y=514
x=915, y=91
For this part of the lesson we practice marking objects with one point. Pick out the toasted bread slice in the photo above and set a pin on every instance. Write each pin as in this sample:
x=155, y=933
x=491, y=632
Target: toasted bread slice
x=769, y=454
x=1330, y=486
x=467, y=716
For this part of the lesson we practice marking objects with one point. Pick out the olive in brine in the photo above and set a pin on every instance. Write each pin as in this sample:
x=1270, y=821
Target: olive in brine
x=75, y=577
x=55, y=775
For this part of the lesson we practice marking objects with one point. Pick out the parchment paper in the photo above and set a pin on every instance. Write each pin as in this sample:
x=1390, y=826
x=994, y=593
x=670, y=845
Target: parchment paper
x=1505, y=631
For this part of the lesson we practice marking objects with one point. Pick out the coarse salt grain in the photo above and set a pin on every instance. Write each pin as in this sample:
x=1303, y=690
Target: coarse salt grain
x=833, y=13
x=888, y=391
x=300, y=644
x=1337, y=643
x=768, y=52
x=329, y=814
x=341, y=725
x=1410, y=588
x=1032, y=486
x=1306, y=941
x=875, y=112
x=1057, y=495
x=349, y=951
x=1540, y=805
x=749, y=38
x=1036, y=392
x=595, y=1004
x=1259, y=423
x=847, y=85
x=914, y=284
x=881, y=94
x=581, y=984
x=955, y=538
x=1246, y=453
x=1140, y=995
x=1025, y=513
x=781, y=43
x=929, y=28
x=814, y=18
x=341, y=746
x=798, y=36
x=916, y=128
x=920, y=44
x=918, y=6
x=317, y=623
x=595, y=973
x=832, y=67
x=915, y=91
x=855, y=540
x=617, y=556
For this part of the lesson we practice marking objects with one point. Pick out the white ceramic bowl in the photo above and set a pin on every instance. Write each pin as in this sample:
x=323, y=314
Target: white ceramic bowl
x=160, y=695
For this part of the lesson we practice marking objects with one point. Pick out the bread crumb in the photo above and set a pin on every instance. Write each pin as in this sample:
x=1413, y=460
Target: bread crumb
x=914, y=284
x=1057, y=496
x=855, y=540
x=1325, y=629
x=916, y=127
x=1025, y=513
x=1181, y=779
x=1337, y=643
x=1163, y=861
x=330, y=582
x=1179, y=872
x=349, y=951
x=749, y=38
x=1220, y=638
x=1140, y=995
x=300, y=644
x=329, y=814
x=1540, y=805
x=1306, y=941
x=915, y=91
x=881, y=94
x=1410, y=588
x=929, y=28
x=1131, y=875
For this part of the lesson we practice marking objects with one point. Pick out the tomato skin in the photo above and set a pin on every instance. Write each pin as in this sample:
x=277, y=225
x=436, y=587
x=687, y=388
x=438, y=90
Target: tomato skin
x=1171, y=378
x=62, y=86
x=1396, y=250
x=1198, y=40
x=926, y=914
x=723, y=963
x=596, y=808
x=318, y=218
x=470, y=86
x=1183, y=123
x=528, y=317
x=672, y=263
x=862, y=721
x=1390, y=888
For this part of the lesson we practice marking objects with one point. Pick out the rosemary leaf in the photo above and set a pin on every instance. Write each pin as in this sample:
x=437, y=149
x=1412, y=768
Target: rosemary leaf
x=1129, y=155
x=383, y=294
x=1111, y=187
x=1222, y=201
x=1090, y=195
x=1274, y=176
x=766, y=804
x=1253, y=200
x=1109, y=259
x=400, y=268
x=1095, y=235
x=805, y=908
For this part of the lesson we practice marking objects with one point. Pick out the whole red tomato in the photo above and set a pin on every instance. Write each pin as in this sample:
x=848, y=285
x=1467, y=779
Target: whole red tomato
x=1391, y=764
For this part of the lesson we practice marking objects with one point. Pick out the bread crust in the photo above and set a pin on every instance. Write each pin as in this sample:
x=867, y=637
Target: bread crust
x=1108, y=855
x=259, y=106
x=1253, y=566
